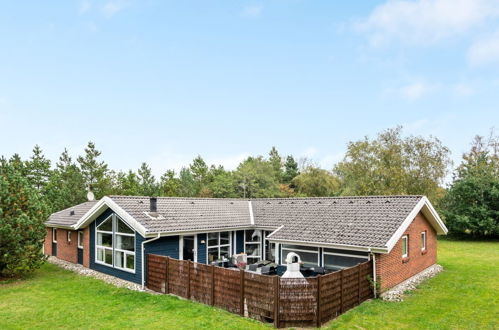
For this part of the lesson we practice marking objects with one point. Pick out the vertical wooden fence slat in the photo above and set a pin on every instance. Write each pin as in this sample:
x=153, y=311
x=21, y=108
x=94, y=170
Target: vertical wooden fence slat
x=166, y=274
x=319, y=316
x=341, y=292
x=212, y=285
x=241, y=303
x=276, y=300
x=358, y=284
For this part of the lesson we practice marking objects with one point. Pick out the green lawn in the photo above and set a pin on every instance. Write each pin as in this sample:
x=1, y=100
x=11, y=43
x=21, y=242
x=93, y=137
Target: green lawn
x=464, y=296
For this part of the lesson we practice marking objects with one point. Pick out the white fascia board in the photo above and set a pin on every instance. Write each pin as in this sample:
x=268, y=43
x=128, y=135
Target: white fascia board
x=252, y=218
x=104, y=203
x=331, y=246
x=431, y=215
x=196, y=231
x=275, y=231
x=50, y=225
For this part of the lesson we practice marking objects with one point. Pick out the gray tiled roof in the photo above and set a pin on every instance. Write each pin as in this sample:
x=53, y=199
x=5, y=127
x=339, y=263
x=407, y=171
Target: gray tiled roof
x=66, y=218
x=185, y=214
x=368, y=221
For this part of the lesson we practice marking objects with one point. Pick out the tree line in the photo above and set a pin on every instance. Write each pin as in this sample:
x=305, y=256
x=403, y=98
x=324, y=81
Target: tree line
x=388, y=164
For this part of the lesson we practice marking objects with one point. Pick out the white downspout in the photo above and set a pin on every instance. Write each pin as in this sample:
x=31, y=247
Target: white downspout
x=143, y=261
x=374, y=273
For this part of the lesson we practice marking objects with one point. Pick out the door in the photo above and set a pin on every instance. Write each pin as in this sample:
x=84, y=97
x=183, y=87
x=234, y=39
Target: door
x=188, y=249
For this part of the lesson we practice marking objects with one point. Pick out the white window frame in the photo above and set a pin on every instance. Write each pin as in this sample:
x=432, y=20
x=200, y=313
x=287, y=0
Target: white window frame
x=69, y=236
x=54, y=235
x=324, y=252
x=423, y=241
x=259, y=243
x=283, y=257
x=114, y=233
x=80, y=236
x=405, y=242
x=218, y=246
x=181, y=247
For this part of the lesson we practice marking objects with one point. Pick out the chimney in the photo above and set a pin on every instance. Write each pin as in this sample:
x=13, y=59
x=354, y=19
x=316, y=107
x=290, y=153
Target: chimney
x=153, y=205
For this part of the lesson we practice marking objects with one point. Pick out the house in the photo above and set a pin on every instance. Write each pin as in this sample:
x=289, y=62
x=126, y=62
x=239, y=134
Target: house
x=112, y=235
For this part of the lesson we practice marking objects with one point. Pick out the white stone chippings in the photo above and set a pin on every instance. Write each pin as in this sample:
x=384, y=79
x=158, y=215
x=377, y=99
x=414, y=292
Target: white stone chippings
x=79, y=269
x=397, y=293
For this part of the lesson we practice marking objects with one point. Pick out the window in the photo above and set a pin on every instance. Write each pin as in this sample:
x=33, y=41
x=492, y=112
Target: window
x=253, y=245
x=335, y=259
x=405, y=246
x=80, y=239
x=115, y=244
x=69, y=236
x=423, y=241
x=54, y=235
x=270, y=249
x=219, y=246
x=309, y=255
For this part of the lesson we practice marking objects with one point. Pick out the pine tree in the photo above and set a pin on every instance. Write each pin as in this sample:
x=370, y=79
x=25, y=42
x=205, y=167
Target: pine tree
x=22, y=216
x=290, y=170
x=147, y=181
x=276, y=161
x=38, y=169
x=169, y=184
x=94, y=171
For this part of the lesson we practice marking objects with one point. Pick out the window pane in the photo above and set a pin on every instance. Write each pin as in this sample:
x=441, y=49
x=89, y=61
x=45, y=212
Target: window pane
x=54, y=233
x=119, y=259
x=269, y=251
x=224, y=252
x=130, y=261
x=336, y=262
x=125, y=242
x=212, y=254
x=80, y=238
x=105, y=239
x=123, y=228
x=309, y=259
x=100, y=254
x=108, y=256
x=252, y=249
x=253, y=235
x=212, y=239
x=106, y=225
x=224, y=238
x=252, y=260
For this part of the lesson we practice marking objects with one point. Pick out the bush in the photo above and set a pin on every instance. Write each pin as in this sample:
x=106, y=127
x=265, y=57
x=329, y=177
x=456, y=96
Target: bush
x=22, y=216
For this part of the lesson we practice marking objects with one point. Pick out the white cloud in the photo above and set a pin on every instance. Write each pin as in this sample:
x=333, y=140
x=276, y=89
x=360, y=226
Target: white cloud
x=111, y=8
x=425, y=21
x=85, y=6
x=309, y=152
x=329, y=161
x=463, y=90
x=252, y=11
x=485, y=51
x=412, y=91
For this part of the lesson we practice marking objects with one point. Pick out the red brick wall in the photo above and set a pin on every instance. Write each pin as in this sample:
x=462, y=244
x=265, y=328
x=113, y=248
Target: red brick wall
x=67, y=250
x=391, y=268
x=86, y=247
x=47, y=244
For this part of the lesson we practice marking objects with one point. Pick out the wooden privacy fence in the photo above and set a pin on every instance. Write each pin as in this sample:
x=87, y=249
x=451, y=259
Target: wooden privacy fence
x=288, y=302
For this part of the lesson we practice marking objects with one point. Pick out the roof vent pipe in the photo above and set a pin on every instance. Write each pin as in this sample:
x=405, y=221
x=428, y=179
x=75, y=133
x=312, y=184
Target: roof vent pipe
x=153, y=205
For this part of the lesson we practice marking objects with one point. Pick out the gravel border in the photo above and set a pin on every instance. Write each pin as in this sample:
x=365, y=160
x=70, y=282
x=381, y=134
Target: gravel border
x=79, y=269
x=397, y=293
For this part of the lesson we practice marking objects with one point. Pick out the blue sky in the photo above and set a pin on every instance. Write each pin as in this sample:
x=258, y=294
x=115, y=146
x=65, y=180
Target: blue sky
x=163, y=81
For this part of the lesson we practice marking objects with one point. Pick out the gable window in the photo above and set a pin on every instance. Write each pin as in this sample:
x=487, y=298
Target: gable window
x=423, y=240
x=115, y=244
x=54, y=235
x=405, y=246
x=253, y=245
x=80, y=239
x=69, y=236
x=219, y=246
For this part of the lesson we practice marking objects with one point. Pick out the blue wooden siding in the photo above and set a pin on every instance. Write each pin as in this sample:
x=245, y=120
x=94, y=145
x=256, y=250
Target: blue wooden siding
x=202, y=248
x=132, y=277
x=165, y=246
x=80, y=256
x=240, y=241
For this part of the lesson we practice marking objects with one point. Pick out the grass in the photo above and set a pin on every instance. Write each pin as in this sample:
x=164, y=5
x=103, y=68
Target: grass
x=464, y=296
